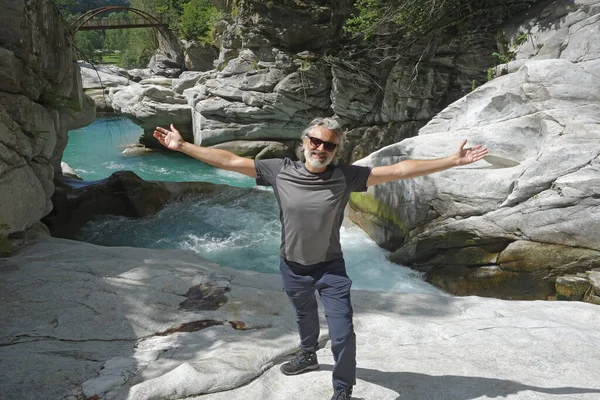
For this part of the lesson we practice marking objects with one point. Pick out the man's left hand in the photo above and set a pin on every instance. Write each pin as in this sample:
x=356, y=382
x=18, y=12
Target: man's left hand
x=469, y=155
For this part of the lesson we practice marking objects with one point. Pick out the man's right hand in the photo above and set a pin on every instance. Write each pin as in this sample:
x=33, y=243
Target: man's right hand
x=171, y=139
x=223, y=159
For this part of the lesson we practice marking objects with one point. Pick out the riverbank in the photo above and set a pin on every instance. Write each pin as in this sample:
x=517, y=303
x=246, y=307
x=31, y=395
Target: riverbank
x=122, y=323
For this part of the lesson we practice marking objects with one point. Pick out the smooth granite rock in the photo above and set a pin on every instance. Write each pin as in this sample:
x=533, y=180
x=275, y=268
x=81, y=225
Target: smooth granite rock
x=537, y=186
x=151, y=105
x=84, y=321
x=41, y=99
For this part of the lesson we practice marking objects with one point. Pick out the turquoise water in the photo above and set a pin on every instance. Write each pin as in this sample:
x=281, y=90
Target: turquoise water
x=95, y=152
x=239, y=228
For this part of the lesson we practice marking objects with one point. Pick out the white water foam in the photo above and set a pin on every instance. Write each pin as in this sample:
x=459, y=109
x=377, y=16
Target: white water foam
x=238, y=228
x=369, y=268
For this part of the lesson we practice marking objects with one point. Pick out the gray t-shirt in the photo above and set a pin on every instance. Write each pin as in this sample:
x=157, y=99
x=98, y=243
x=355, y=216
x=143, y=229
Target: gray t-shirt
x=311, y=206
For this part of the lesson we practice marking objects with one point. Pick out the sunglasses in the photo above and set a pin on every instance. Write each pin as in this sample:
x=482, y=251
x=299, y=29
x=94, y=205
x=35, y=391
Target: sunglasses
x=315, y=143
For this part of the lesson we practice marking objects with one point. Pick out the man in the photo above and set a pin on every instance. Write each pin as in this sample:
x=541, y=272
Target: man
x=312, y=194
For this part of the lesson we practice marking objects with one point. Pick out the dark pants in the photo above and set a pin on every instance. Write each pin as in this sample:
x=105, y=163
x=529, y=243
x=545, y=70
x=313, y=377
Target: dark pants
x=333, y=284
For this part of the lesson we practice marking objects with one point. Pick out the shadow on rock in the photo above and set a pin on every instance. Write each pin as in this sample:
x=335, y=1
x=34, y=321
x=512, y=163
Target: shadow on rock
x=415, y=386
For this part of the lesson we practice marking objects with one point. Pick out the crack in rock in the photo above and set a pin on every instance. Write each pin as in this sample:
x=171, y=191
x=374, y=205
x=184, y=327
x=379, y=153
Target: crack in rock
x=17, y=340
x=192, y=326
x=195, y=326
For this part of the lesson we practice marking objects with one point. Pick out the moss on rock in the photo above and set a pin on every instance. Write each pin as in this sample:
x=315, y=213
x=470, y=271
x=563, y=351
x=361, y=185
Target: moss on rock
x=378, y=220
x=558, y=259
x=5, y=246
x=367, y=203
x=490, y=281
x=472, y=255
x=571, y=287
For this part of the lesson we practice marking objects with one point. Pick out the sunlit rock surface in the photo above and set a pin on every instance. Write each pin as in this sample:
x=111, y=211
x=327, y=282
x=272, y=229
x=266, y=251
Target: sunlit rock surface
x=126, y=323
x=530, y=208
x=151, y=104
x=510, y=225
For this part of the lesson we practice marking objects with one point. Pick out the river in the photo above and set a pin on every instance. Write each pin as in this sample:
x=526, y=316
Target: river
x=239, y=228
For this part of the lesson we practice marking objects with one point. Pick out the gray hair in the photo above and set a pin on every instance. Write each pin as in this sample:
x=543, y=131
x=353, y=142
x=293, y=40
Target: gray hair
x=328, y=123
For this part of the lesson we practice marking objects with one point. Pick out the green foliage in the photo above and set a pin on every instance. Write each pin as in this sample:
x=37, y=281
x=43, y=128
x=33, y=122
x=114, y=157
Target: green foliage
x=368, y=17
x=197, y=20
x=305, y=64
x=115, y=40
x=66, y=7
x=502, y=58
x=90, y=44
x=74, y=7
x=53, y=99
x=139, y=46
x=417, y=18
x=192, y=19
x=522, y=38
x=235, y=10
x=111, y=58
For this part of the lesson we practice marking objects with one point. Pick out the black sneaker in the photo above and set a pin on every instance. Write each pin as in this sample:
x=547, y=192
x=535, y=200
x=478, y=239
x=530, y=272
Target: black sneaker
x=342, y=394
x=304, y=361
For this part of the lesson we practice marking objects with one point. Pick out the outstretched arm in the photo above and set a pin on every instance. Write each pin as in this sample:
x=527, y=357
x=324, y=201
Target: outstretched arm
x=223, y=159
x=413, y=168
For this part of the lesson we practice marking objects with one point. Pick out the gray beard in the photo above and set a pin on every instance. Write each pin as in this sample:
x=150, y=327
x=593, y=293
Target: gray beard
x=317, y=163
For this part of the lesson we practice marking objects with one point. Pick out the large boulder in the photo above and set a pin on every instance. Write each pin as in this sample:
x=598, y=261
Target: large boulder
x=534, y=248
x=198, y=56
x=124, y=193
x=168, y=59
x=150, y=105
x=41, y=98
x=102, y=82
x=101, y=76
x=253, y=100
x=530, y=208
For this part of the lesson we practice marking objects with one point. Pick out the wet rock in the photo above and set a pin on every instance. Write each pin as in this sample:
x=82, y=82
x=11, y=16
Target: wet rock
x=571, y=287
x=204, y=297
x=123, y=193
x=534, y=189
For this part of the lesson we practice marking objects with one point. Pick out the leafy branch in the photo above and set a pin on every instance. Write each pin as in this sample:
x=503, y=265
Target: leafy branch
x=419, y=18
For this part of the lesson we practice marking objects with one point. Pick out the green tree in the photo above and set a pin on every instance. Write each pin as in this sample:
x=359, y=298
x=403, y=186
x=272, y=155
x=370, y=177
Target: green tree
x=197, y=20
x=140, y=43
x=139, y=47
x=417, y=18
x=116, y=39
x=192, y=19
x=90, y=45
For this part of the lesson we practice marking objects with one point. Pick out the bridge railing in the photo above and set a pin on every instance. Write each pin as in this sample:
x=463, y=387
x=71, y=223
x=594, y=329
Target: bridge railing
x=117, y=22
x=134, y=18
